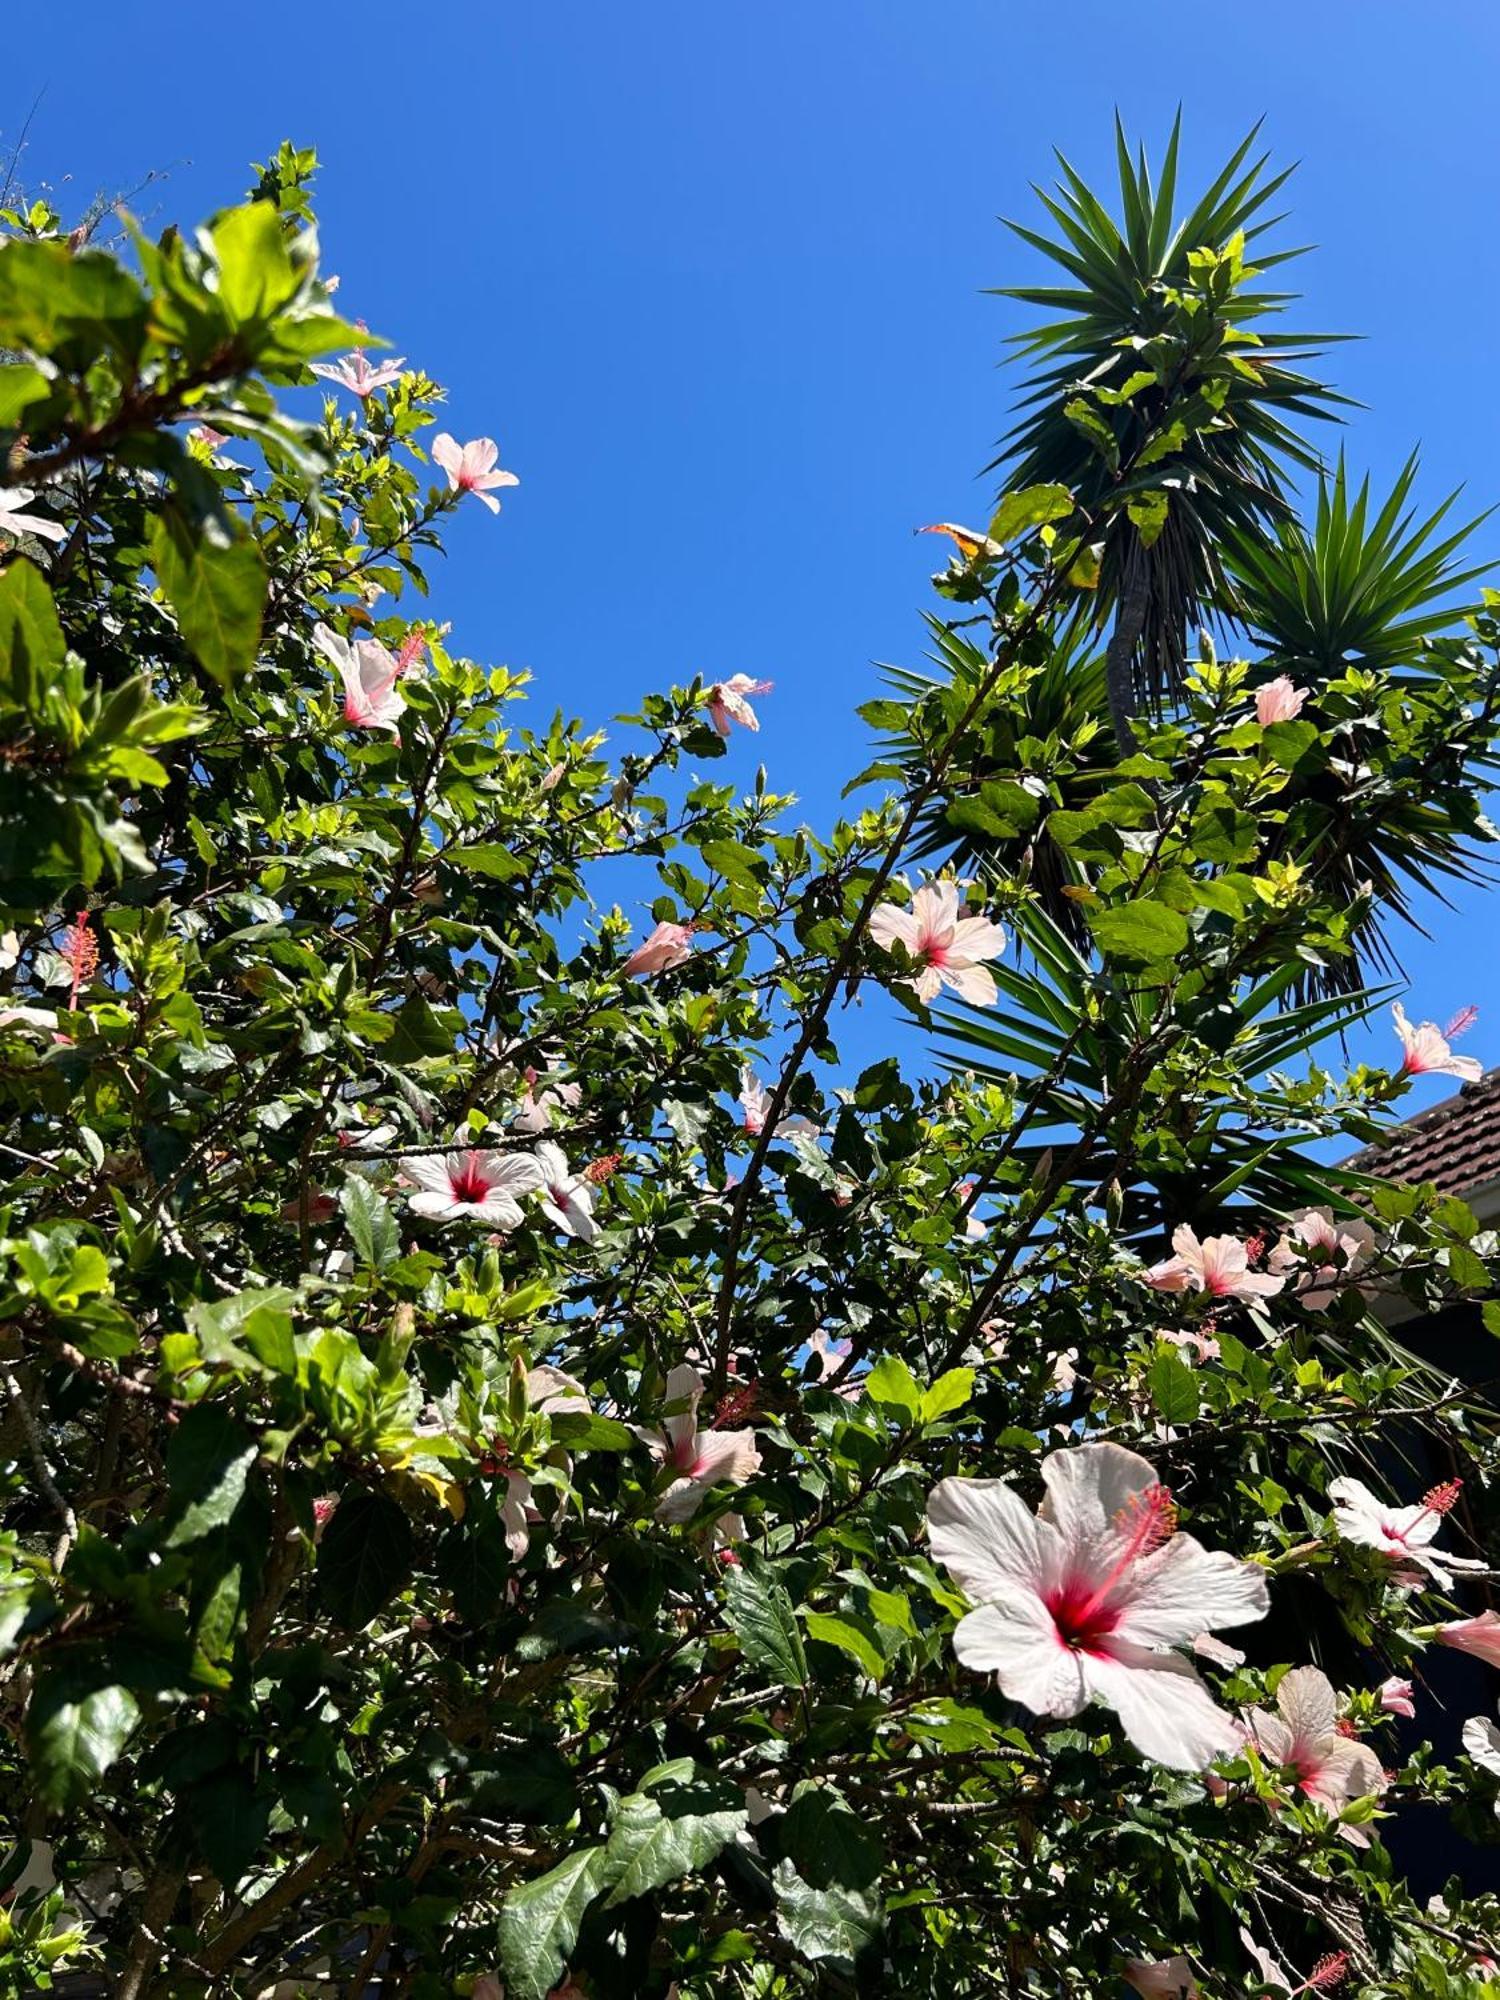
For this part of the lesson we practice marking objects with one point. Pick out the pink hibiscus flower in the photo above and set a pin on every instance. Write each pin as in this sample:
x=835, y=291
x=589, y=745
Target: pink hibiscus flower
x=668, y=945
x=371, y=697
x=1304, y=1737
x=700, y=1460
x=469, y=1182
x=473, y=467
x=354, y=373
x=1278, y=701
x=1396, y=1697
x=541, y=1097
x=548, y=1391
x=1219, y=1266
x=755, y=1101
x=727, y=704
x=1405, y=1534
x=1479, y=1636
x=1427, y=1051
x=1338, y=1247
x=566, y=1200
x=1086, y=1599
x=949, y=947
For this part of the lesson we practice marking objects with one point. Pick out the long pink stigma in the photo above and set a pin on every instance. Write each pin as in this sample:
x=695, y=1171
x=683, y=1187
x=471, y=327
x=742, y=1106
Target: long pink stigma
x=1442, y=1499
x=470, y=1183
x=1462, y=1021
x=413, y=646
x=80, y=951
x=1146, y=1521
x=1330, y=1971
x=735, y=1406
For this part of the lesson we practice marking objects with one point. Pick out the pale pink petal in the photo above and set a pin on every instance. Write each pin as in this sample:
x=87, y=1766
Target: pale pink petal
x=973, y=983
x=446, y=452
x=1167, y=1712
x=977, y=937
x=985, y=1535
x=1016, y=1640
x=1307, y=1701
x=890, y=924
x=1273, y=1737
x=725, y=1457
x=441, y=1207
x=1481, y=1739
x=1185, y=1589
x=1088, y=1486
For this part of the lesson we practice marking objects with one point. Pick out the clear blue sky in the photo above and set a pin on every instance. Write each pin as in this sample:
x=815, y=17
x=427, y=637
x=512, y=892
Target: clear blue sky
x=712, y=277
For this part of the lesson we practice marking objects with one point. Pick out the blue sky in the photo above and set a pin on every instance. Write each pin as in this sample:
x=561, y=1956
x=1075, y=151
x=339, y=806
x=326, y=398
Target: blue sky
x=713, y=276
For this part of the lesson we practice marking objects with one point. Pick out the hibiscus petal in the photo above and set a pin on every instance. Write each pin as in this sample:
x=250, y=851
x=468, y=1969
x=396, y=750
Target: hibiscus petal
x=1308, y=1704
x=1482, y=1741
x=1087, y=1486
x=973, y=983
x=889, y=924
x=1017, y=1641
x=1167, y=1712
x=725, y=1457
x=986, y=1537
x=1186, y=1589
x=441, y=1207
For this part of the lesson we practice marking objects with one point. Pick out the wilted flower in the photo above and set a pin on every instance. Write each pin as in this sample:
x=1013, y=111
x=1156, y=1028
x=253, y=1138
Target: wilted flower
x=354, y=373
x=1161, y=1978
x=371, y=697
x=1405, y=1534
x=701, y=1460
x=949, y=947
x=1427, y=1050
x=1396, y=1696
x=1303, y=1736
x=1278, y=701
x=755, y=1100
x=470, y=1182
x=1482, y=1741
x=667, y=946
x=727, y=704
x=14, y=522
x=566, y=1200
x=473, y=467
x=548, y=1391
x=1219, y=1265
x=1086, y=1599
x=1340, y=1247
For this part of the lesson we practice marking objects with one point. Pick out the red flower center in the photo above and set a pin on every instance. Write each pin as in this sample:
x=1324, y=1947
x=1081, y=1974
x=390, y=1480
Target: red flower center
x=1082, y=1618
x=469, y=1183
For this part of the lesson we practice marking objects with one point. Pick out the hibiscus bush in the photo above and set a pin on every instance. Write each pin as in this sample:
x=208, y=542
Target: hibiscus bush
x=526, y=1468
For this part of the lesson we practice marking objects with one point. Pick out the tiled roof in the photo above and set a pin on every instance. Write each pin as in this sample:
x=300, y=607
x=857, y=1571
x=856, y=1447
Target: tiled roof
x=1455, y=1145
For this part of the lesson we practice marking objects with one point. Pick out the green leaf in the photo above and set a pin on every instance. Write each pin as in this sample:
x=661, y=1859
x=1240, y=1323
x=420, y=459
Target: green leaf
x=215, y=581
x=20, y=386
x=364, y=1558
x=372, y=1223
x=838, y=1628
x=529, y=1782
x=73, y=1734
x=1148, y=514
x=891, y=1383
x=831, y=1846
x=1141, y=933
x=1291, y=744
x=833, y=1924
x=256, y=273
x=949, y=1392
x=1173, y=1386
x=658, y=1837
x=762, y=1618
x=487, y=857
x=230, y=1822
x=581, y=1430
x=539, y=1923
x=1032, y=507
x=32, y=651
x=208, y=1463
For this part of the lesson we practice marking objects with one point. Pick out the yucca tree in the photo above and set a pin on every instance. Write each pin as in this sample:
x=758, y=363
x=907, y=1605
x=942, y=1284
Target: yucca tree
x=1161, y=379
x=1355, y=609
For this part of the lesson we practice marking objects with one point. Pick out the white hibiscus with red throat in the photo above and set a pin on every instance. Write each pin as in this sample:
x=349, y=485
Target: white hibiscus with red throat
x=698, y=1459
x=1089, y=1598
x=472, y=1184
x=948, y=948
x=1405, y=1534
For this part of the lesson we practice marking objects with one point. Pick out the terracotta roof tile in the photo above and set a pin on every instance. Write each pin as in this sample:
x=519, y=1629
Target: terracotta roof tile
x=1455, y=1145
